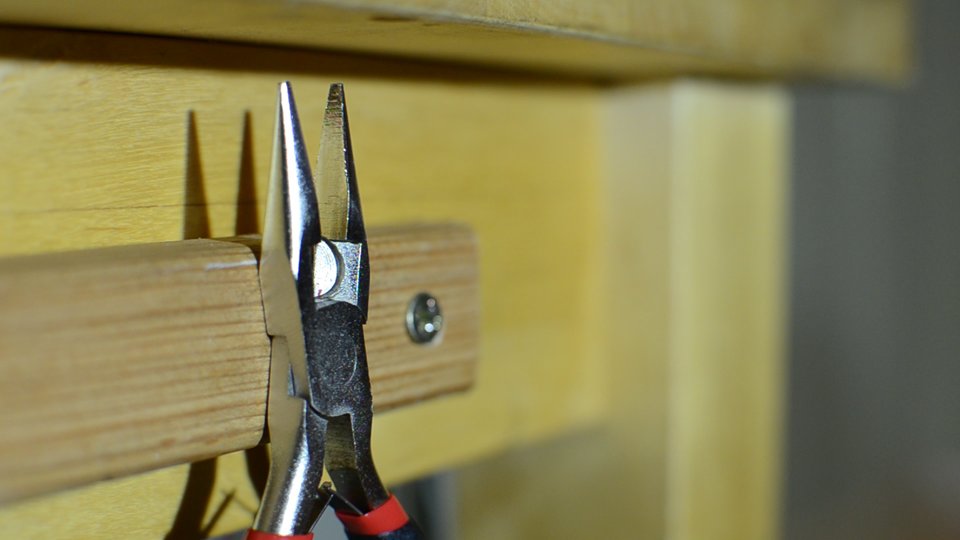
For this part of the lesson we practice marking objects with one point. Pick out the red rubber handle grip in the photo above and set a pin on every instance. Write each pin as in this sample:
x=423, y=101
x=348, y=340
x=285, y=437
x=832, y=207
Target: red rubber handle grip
x=260, y=535
x=385, y=518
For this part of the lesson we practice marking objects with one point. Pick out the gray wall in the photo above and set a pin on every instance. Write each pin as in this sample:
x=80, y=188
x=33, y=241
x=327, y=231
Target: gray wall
x=874, y=407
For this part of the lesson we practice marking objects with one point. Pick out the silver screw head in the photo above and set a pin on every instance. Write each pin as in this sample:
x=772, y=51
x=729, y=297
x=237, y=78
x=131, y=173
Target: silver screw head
x=424, y=318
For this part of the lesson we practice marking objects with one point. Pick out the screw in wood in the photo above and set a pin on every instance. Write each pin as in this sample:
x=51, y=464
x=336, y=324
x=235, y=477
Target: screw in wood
x=424, y=318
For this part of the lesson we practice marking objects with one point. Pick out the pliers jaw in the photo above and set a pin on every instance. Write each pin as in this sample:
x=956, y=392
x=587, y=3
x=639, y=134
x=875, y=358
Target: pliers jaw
x=290, y=237
x=340, y=200
x=315, y=294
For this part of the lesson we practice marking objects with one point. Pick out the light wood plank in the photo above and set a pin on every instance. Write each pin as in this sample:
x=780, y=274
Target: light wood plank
x=126, y=359
x=98, y=152
x=598, y=38
x=728, y=318
x=694, y=263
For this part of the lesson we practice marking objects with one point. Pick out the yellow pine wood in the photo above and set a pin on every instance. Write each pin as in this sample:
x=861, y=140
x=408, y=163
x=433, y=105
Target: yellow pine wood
x=661, y=457
x=694, y=198
x=606, y=38
x=405, y=261
x=98, y=150
x=127, y=359
x=729, y=314
x=211, y=497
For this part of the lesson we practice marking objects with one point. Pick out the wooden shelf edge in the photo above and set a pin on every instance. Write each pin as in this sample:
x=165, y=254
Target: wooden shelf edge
x=859, y=39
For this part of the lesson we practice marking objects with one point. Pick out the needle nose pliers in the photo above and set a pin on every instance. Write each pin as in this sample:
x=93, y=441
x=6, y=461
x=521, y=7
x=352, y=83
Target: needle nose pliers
x=315, y=290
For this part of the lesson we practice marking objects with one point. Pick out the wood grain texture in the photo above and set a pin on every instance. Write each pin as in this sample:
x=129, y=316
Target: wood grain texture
x=693, y=330
x=127, y=359
x=98, y=150
x=599, y=38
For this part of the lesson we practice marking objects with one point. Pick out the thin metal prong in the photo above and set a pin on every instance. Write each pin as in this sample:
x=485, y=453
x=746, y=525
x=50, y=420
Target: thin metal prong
x=291, y=164
x=291, y=502
x=336, y=175
x=339, y=196
x=291, y=230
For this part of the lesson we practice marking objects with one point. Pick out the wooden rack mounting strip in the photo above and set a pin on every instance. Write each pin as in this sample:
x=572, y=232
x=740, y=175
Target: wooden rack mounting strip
x=120, y=360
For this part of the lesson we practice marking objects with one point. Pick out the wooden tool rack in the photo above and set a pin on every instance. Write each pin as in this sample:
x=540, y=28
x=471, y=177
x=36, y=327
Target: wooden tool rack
x=603, y=185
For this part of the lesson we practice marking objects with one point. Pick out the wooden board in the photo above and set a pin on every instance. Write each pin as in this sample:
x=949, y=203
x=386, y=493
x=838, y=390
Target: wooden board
x=597, y=38
x=100, y=148
x=101, y=151
x=694, y=290
x=121, y=360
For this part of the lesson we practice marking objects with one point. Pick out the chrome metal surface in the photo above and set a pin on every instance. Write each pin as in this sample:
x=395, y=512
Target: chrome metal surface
x=351, y=261
x=337, y=182
x=315, y=294
x=327, y=268
x=424, y=319
x=291, y=230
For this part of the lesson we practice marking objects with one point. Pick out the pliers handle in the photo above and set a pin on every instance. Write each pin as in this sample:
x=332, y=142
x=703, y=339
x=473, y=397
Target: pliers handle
x=387, y=522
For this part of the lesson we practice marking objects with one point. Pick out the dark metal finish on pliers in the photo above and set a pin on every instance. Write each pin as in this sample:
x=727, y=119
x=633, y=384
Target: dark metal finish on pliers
x=315, y=287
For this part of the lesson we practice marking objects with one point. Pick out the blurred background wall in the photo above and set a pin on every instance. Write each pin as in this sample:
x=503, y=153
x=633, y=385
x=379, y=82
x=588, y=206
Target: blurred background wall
x=874, y=407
